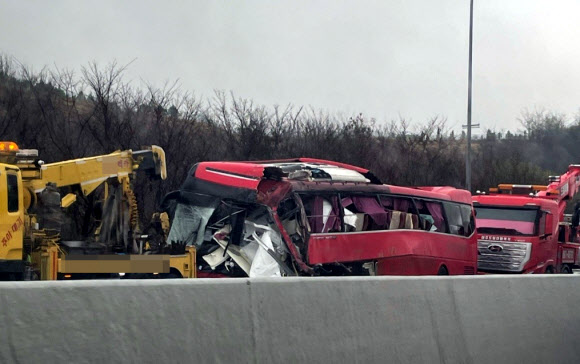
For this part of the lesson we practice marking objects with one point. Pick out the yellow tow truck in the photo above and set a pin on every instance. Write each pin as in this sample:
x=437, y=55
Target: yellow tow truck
x=32, y=203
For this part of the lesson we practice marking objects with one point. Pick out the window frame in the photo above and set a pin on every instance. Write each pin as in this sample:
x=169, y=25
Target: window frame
x=378, y=195
x=12, y=192
x=515, y=208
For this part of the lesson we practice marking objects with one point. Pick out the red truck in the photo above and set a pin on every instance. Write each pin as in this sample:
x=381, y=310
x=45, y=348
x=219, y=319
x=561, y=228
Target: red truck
x=523, y=229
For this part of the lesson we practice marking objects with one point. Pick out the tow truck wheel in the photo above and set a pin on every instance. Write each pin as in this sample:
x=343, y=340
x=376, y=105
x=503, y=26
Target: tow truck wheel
x=442, y=271
x=549, y=270
x=566, y=269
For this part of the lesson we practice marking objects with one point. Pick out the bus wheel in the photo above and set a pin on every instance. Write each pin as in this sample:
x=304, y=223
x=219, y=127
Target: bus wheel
x=442, y=271
x=566, y=269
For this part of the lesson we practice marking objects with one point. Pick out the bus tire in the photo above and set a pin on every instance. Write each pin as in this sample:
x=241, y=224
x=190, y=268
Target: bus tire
x=442, y=271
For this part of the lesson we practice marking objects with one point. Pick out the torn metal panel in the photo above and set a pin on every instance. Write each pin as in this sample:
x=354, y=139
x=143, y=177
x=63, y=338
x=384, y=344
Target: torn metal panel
x=216, y=257
x=250, y=250
x=260, y=251
x=236, y=254
x=292, y=247
x=264, y=264
x=270, y=192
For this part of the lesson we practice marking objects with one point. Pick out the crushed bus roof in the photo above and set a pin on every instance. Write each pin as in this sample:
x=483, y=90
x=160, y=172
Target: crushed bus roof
x=248, y=174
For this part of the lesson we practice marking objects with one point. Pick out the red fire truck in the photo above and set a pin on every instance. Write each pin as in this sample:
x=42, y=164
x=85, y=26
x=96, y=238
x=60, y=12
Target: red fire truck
x=523, y=229
x=316, y=217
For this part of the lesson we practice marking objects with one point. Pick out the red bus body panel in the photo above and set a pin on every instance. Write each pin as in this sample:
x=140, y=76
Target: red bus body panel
x=396, y=250
x=233, y=174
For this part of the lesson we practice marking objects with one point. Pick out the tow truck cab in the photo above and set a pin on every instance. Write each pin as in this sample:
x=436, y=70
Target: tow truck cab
x=516, y=234
x=11, y=214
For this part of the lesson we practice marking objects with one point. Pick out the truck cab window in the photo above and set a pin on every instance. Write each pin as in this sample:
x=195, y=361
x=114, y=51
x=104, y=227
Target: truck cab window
x=542, y=224
x=506, y=220
x=12, y=180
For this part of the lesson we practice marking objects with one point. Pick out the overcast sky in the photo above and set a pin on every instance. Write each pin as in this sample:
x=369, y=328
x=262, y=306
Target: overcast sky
x=386, y=58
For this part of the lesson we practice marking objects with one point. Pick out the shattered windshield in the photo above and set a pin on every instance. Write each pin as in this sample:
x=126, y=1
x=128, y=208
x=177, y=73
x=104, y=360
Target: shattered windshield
x=506, y=221
x=189, y=224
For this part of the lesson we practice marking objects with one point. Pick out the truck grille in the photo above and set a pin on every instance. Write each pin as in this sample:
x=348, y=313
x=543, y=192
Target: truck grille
x=502, y=256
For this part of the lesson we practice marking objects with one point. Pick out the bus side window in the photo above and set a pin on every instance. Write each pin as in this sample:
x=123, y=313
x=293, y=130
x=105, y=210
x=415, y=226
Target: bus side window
x=364, y=213
x=468, y=219
x=453, y=218
x=431, y=217
x=402, y=214
x=12, y=180
x=322, y=213
x=460, y=218
x=426, y=221
x=293, y=220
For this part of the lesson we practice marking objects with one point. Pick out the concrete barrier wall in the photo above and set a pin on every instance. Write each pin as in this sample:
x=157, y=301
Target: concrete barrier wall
x=487, y=319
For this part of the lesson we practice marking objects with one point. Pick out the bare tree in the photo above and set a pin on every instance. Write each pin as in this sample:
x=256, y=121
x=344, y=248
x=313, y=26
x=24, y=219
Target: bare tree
x=105, y=86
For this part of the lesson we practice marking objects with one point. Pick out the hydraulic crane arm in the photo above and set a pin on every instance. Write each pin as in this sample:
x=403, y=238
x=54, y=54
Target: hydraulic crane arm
x=115, y=171
x=91, y=172
x=563, y=188
x=110, y=240
x=560, y=189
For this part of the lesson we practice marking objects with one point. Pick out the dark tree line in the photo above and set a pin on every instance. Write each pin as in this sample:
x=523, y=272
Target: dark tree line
x=65, y=116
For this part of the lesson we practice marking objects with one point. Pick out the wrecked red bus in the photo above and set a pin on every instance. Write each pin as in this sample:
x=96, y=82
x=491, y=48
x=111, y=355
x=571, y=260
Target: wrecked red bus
x=315, y=217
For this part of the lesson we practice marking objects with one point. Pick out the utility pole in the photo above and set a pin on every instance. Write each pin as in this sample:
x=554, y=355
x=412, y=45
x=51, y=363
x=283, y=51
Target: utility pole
x=468, y=153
